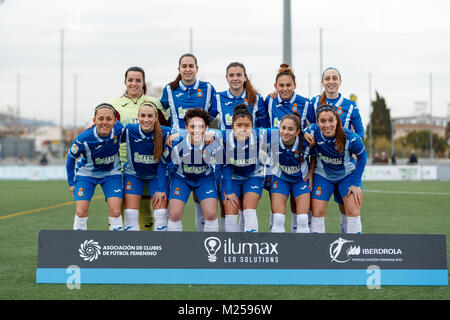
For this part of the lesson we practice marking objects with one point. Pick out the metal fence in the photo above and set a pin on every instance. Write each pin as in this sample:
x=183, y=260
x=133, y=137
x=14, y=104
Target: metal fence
x=17, y=148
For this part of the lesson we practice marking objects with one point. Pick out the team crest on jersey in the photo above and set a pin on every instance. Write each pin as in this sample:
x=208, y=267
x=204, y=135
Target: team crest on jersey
x=318, y=191
x=128, y=186
x=294, y=107
x=296, y=154
x=115, y=140
x=80, y=192
x=199, y=93
x=177, y=191
x=246, y=101
x=339, y=111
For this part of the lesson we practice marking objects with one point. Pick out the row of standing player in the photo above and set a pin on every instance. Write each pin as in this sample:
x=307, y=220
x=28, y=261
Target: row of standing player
x=191, y=92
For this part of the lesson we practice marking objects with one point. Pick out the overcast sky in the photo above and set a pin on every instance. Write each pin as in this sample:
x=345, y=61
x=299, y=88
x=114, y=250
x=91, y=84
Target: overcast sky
x=400, y=43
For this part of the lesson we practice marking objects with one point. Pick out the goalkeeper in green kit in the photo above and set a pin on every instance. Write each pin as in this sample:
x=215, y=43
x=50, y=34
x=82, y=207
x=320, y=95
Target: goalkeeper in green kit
x=128, y=106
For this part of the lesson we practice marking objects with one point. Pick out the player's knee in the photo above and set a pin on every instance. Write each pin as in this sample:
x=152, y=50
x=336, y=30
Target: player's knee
x=82, y=213
x=353, y=212
x=210, y=214
x=318, y=212
x=115, y=212
x=230, y=209
x=175, y=215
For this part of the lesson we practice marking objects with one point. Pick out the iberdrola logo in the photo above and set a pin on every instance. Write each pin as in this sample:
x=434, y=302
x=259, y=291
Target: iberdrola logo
x=89, y=250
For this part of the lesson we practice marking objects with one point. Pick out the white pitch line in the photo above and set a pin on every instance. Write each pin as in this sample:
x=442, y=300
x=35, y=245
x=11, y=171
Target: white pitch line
x=410, y=192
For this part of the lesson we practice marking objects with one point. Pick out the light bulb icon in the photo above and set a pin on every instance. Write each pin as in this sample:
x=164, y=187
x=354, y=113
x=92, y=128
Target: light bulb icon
x=212, y=245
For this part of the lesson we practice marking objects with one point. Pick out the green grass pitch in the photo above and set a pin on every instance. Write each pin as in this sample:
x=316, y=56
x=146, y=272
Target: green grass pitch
x=411, y=208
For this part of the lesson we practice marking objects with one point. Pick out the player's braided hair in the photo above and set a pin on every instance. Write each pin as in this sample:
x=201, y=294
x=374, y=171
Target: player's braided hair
x=250, y=92
x=340, y=134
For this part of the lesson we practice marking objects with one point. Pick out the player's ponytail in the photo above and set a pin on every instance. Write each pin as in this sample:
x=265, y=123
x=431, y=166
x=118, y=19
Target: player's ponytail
x=285, y=70
x=340, y=135
x=157, y=141
x=250, y=92
x=174, y=84
x=294, y=116
x=323, y=98
x=157, y=132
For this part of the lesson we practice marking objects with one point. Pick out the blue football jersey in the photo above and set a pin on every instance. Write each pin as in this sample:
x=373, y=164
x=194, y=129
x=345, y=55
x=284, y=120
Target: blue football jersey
x=188, y=161
x=331, y=164
x=223, y=105
x=347, y=110
x=290, y=163
x=140, y=151
x=184, y=97
x=99, y=156
x=277, y=108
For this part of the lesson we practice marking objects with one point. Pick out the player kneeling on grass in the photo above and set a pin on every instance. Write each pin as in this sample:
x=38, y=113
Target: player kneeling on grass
x=190, y=167
x=144, y=142
x=98, y=148
x=290, y=171
x=335, y=147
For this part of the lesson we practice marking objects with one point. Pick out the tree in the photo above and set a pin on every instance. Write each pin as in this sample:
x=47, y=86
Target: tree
x=420, y=140
x=380, y=118
x=447, y=131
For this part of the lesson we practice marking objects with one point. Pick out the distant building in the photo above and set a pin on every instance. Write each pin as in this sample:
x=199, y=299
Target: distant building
x=420, y=121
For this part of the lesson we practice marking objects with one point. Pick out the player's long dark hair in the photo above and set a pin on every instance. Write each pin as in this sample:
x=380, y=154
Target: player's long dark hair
x=137, y=69
x=294, y=116
x=157, y=132
x=250, y=92
x=340, y=134
x=174, y=84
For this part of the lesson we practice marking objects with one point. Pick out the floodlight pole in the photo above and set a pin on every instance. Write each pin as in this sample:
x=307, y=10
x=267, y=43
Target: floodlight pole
x=61, y=92
x=191, y=41
x=431, y=118
x=75, y=80
x=371, y=117
x=287, y=37
x=320, y=57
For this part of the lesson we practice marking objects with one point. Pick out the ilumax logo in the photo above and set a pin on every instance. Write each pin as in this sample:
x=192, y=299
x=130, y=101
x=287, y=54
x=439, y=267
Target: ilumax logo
x=241, y=252
x=243, y=248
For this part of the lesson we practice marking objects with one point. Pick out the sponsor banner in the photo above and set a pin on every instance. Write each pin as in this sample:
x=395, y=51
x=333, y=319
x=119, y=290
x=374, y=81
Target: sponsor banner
x=240, y=258
x=399, y=173
x=371, y=173
x=38, y=173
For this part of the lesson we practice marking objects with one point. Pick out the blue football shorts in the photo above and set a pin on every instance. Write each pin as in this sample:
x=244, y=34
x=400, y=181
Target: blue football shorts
x=85, y=187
